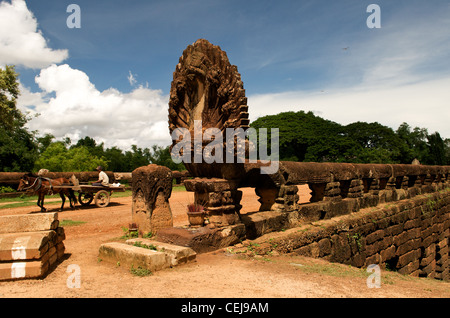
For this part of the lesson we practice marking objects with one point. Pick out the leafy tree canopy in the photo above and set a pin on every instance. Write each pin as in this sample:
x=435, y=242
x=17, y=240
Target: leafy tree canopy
x=18, y=147
x=57, y=157
x=86, y=155
x=307, y=137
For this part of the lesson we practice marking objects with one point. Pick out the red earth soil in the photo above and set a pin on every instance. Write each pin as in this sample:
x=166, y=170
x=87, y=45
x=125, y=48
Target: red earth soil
x=216, y=274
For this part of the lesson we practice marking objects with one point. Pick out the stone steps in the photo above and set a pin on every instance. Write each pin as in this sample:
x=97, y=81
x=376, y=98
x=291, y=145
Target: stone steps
x=30, y=245
x=146, y=254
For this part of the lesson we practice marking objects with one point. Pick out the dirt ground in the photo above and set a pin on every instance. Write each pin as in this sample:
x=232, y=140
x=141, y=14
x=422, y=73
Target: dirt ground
x=213, y=275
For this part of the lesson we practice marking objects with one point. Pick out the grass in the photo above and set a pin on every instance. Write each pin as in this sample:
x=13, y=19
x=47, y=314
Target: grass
x=70, y=223
x=126, y=193
x=141, y=272
x=334, y=270
x=22, y=201
x=25, y=202
x=150, y=247
x=127, y=234
x=178, y=188
x=22, y=198
x=339, y=270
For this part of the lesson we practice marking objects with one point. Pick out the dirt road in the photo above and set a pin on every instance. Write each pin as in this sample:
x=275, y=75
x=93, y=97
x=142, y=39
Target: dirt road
x=212, y=275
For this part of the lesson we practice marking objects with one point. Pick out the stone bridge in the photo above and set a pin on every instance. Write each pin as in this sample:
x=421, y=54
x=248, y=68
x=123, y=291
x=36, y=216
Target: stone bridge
x=394, y=215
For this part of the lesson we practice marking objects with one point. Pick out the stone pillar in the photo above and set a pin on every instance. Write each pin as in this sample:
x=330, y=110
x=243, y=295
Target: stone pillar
x=429, y=184
x=287, y=198
x=220, y=199
x=391, y=183
x=405, y=183
x=356, y=189
x=332, y=191
x=371, y=195
x=446, y=180
x=374, y=187
x=152, y=187
x=267, y=197
x=284, y=198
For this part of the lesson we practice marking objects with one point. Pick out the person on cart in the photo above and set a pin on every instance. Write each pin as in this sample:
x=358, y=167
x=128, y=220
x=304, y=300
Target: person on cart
x=103, y=179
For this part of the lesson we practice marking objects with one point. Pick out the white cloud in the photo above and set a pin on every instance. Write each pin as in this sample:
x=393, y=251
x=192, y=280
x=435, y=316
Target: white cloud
x=395, y=74
x=423, y=104
x=70, y=105
x=131, y=78
x=21, y=43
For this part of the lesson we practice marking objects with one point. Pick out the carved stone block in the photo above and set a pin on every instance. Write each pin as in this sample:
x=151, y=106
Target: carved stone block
x=152, y=187
x=220, y=199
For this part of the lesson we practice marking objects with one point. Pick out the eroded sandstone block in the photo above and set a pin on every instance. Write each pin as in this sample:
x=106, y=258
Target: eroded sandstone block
x=152, y=187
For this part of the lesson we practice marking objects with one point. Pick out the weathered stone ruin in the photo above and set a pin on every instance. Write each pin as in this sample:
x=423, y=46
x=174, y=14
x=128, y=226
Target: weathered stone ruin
x=152, y=187
x=347, y=219
x=206, y=87
x=151, y=213
x=30, y=245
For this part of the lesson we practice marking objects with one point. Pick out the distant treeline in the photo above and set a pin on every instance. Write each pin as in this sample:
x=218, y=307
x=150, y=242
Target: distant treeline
x=307, y=137
x=21, y=150
x=303, y=137
x=86, y=155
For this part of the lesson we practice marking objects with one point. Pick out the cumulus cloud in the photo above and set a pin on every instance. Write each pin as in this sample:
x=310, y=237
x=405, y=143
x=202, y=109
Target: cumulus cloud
x=71, y=106
x=131, y=78
x=423, y=104
x=21, y=42
x=399, y=73
x=68, y=103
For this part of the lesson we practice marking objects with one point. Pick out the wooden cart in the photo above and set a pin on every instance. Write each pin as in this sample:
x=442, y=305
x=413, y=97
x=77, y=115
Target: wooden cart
x=99, y=194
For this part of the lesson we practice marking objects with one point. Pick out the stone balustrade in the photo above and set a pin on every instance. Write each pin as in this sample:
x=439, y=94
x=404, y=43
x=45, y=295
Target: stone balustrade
x=336, y=188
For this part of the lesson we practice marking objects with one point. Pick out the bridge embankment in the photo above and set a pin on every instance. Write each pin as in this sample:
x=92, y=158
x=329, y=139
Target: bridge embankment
x=410, y=236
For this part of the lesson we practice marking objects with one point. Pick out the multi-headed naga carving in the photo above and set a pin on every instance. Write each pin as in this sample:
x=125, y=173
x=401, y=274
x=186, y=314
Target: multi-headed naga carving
x=208, y=90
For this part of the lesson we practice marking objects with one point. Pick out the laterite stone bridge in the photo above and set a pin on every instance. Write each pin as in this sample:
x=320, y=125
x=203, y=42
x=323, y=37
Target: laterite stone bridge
x=394, y=215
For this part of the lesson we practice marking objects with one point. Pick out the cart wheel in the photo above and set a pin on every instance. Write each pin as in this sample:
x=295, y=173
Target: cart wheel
x=102, y=198
x=85, y=198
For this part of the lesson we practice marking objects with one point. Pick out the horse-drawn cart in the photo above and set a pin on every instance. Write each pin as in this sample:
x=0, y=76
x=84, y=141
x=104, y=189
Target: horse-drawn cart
x=65, y=187
x=99, y=194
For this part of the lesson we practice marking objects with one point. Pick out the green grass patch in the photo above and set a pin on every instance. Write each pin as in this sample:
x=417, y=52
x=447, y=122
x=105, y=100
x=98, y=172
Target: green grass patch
x=339, y=270
x=25, y=200
x=150, y=247
x=22, y=198
x=140, y=271
x=178, y=188
x=127, y=234
x=126, y=193
x=23, y=203
x=70, y=223
x=334, y=270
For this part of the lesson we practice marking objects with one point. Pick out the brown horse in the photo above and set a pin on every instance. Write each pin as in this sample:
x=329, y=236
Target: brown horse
x=45, y=186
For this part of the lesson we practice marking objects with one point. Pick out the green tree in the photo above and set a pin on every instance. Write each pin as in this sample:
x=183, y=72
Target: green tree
x=416, y=143
x=117, y=160
x=447, y=151
x=91, y=145
x=306, y=137
x=377, y=143
x=137, y=157
x=57, y=157
x=437, y=151
x=44, y=142
x=161, y=156
x=18, y=146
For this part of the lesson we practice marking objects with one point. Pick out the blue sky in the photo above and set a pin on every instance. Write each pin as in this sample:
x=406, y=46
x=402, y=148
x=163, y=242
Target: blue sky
x=277, y=45
x=111, y=78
